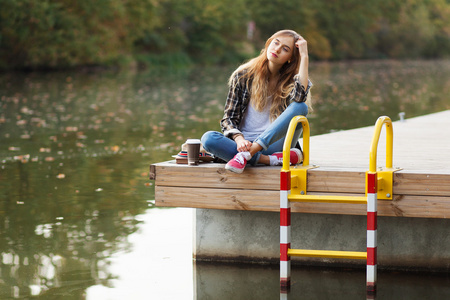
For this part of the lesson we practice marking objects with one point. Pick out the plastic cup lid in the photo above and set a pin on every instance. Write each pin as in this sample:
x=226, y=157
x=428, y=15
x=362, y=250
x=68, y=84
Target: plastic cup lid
x=193, y=141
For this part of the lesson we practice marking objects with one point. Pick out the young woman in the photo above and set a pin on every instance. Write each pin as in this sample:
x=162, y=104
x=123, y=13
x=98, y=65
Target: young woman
x=265, y=94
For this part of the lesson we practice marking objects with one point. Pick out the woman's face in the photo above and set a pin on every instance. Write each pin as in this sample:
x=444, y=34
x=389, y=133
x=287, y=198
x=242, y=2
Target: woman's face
x=280, y=49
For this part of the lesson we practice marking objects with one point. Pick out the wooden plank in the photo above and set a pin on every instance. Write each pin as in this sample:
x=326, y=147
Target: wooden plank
x=263, y=200
x=422, y=184
x=267, y=178
x=152, y=172
x=336, y=181
x=215, y=176
x=235, y=199
x=401, y=206
x=419, y=206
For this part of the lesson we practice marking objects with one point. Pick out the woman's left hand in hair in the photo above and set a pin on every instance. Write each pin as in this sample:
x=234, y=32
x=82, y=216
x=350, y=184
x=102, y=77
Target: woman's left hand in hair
x=302, y=46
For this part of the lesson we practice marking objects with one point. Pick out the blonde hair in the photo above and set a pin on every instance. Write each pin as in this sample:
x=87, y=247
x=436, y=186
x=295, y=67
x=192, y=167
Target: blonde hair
x=257, y=70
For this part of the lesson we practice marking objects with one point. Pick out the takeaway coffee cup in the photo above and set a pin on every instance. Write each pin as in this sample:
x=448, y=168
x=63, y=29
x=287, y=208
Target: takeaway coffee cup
x=193, y=150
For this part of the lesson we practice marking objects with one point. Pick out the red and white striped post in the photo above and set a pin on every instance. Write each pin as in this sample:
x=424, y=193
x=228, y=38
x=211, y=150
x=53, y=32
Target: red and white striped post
x=285, y=231
x=371, y=185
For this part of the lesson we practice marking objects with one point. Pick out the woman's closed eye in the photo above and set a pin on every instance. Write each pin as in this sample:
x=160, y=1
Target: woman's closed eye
x=284, y=47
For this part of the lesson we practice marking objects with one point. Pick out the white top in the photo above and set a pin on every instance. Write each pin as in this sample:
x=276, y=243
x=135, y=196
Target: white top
x=255, y=122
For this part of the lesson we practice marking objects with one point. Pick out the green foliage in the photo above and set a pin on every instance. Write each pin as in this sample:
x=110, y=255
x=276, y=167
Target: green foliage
x=67, y=33
x=59, y=33
x=164, y=62
x=271, y=16
x=215, y=29
x=418, y=29
x=347, y=25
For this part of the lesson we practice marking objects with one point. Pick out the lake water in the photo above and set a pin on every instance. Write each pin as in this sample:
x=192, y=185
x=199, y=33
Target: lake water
x=77, y=215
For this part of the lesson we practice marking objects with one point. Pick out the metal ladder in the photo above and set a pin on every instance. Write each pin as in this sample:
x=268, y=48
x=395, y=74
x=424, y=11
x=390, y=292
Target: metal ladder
x=293, y=188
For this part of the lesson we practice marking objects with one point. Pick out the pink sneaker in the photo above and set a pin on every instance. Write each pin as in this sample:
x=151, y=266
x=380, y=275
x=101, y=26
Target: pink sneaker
x=237, y=164
x=296, y=157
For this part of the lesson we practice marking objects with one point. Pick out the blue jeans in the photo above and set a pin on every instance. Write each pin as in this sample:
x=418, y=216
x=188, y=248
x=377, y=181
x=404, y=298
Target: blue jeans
x=271, y=140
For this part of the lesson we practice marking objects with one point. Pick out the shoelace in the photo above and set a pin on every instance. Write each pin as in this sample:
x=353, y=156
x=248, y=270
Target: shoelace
x=240, y=158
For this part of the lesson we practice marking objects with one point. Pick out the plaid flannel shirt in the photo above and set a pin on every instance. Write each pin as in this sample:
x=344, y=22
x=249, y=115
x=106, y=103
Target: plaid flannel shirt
x=239, y=98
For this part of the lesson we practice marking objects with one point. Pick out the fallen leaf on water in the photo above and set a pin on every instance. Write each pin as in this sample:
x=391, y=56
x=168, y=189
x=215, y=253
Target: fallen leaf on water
x=166, y=145
x=61, y=176
x=25, y=110
x=14, y=148
x=22, y=158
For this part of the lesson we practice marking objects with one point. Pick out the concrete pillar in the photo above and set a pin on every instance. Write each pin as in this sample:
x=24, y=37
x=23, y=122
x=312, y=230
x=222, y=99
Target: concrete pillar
x=253, y=237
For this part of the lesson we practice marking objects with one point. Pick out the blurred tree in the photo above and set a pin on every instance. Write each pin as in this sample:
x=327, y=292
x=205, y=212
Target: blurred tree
x=404, y=32
x=167, y=36
x=416, y=29
x=216, y=30
x=439, y=13
x=64, y=33
x=348, y=26
x=271, y=16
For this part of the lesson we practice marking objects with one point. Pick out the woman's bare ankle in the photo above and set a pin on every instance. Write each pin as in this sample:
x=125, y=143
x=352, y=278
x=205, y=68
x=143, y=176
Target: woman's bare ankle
x=264, y=159
x=255, y=148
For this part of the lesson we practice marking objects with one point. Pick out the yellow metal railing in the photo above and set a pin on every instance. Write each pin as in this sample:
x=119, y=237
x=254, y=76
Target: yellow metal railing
x=299, y=173
x=299, y=193
x=293, y=188
x=328, y=254
x=385, y=175
x=290, y=136
x=389, y=143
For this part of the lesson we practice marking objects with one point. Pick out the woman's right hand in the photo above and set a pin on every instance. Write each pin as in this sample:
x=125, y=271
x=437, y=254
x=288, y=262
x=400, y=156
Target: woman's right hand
x=302, y=46
x=242, y=144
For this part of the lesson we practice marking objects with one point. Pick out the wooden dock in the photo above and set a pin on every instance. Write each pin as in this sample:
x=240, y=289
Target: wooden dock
x=421, y=188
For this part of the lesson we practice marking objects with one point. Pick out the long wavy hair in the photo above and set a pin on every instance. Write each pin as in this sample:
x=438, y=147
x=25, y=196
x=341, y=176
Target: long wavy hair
x=257, y=74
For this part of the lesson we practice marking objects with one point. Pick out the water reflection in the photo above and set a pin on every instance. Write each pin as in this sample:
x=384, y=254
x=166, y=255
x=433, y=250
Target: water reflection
x=57, y=234
x=160, y=265
x=73, y=174
x=258, y=282
x=75, y=149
